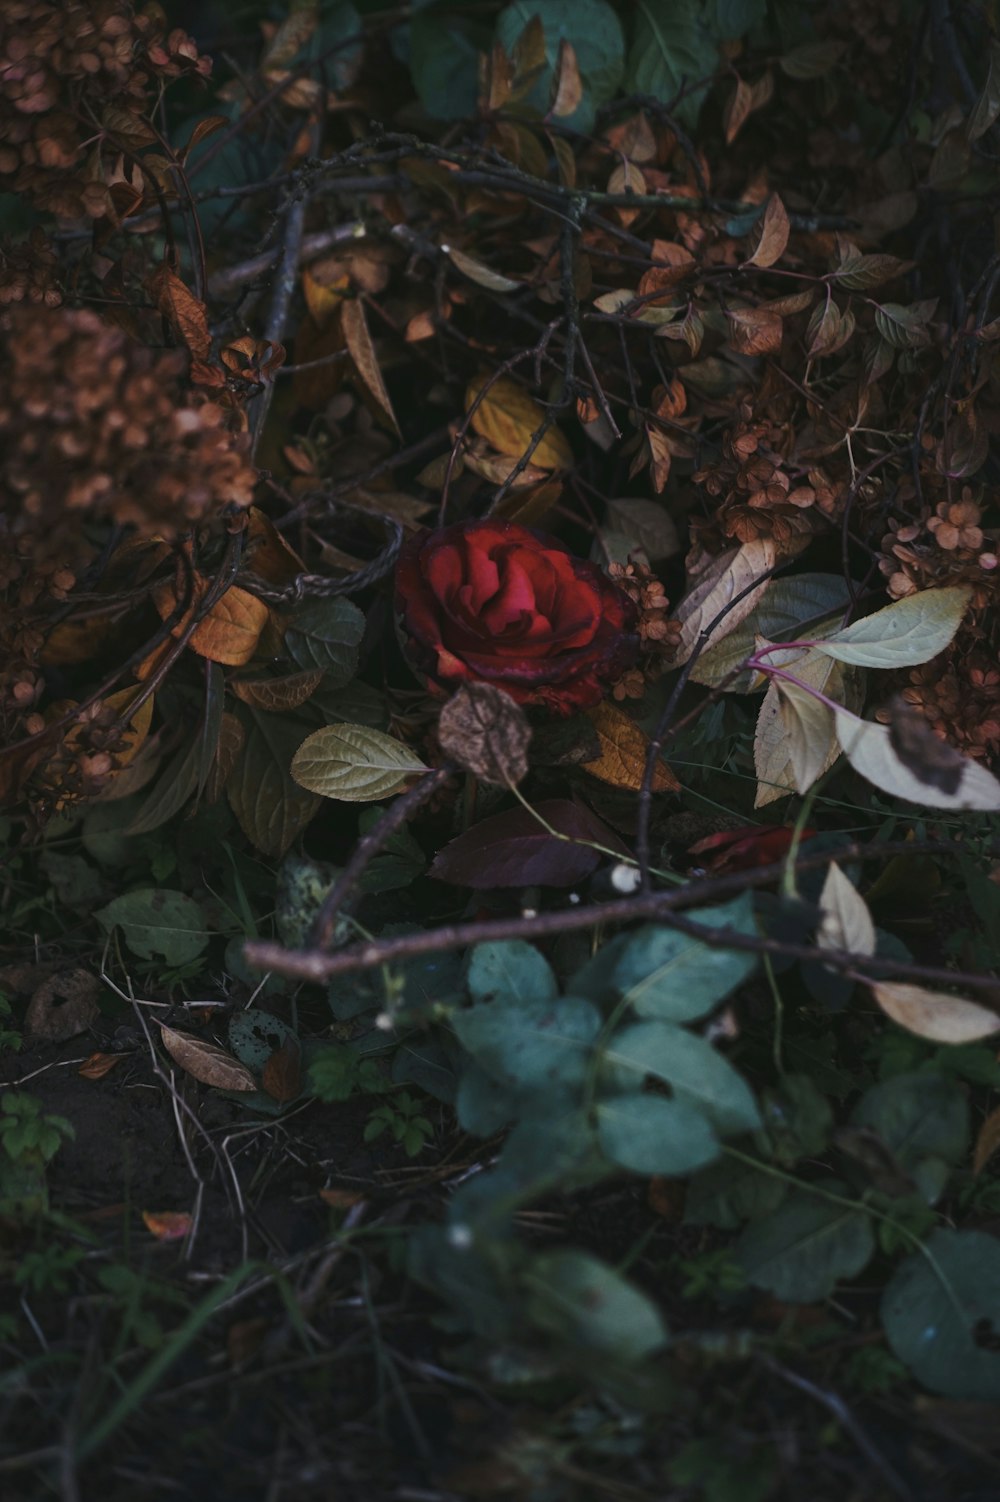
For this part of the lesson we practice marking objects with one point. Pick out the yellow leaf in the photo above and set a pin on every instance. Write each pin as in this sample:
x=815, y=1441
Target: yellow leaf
x=935, y=1014
x=231, y=629
x=507, y=417
x=624, y=747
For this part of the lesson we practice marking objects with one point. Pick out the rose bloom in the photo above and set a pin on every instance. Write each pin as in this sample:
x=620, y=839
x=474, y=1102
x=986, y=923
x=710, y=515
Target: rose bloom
x=492, y=602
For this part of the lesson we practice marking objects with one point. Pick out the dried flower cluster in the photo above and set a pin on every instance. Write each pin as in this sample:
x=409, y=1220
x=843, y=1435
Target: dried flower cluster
x=78, y=82
x=658, y=635
x=95, y=426
x=28, y=272
x=759, y=497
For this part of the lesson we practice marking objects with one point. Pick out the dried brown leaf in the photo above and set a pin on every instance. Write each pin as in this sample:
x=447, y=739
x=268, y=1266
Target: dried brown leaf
x=206, y=1061
x=187, y=316
x=772, y=234
x=354, y=325
x=486, y=733
x=624, y=747
x=278, y=695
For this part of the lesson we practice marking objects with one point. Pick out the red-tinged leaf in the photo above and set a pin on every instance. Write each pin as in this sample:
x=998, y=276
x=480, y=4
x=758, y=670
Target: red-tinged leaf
x=754, y=331
x=514, y=849
x=168, y=1225
x=282, y=1076
x=183, y=311
x=97, y=1065
x=744, y=849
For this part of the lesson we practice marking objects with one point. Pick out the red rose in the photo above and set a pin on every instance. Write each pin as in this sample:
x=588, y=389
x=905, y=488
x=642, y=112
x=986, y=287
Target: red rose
x=496, y=603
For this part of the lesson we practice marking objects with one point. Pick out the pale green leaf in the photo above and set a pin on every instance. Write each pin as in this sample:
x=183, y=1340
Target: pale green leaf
x=695, y=1071
x=158, y=922
x=809, y=727
x=787, y=751
x=907, y=632
x=801, y=1251
x=648, y=1134
x=579, y=1299
x=801, y=608
x=354, y=764
x=717, y=588
x=937, y=1304
x=536, y=1045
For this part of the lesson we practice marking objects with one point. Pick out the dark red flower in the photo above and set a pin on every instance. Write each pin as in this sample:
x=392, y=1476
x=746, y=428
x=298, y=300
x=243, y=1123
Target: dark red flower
x=493, y=602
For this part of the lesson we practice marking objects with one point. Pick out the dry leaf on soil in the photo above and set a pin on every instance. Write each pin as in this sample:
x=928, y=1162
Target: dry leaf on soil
x=206, y=1061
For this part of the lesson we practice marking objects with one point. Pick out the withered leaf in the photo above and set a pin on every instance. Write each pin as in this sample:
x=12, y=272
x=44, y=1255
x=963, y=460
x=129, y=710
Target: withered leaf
x=772, y=234
x=277, y=694
x=362, y=351
x=64, y=1005
x=282, y=1076
x=186, y=315
x=507, y=417
x=923, y=753
x=206, y=1061
x=96, y=1065
x=229, y=632
x=486, y=733
x=754, y=331
x=167, y=1225
x=624, y=746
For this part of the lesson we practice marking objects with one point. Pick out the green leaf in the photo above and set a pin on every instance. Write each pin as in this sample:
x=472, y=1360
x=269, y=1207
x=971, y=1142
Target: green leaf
x=327, y=634
x=595, y=33
x=792, y=609
x=648, y=1134
x=354, y=764
x=674, y=976
x=793, y=738
x=271, y=807
x=728, y=1193
x=484, y=1105
x=254, y=1035
x=645, y=526
x=797, y=1119
x=923, y=1121
x=905, y=633
x=355, y=704
x=510, y=968
x=444, y=61
x=902, y=327
x=868, y=748
x=579, y=1299
x=534, y=1044
x=938, y=1307
x=694, y=1070
x=671, y=47
x=398, y=862
x=158, y=922
x=800, y=1251
x=734, y=18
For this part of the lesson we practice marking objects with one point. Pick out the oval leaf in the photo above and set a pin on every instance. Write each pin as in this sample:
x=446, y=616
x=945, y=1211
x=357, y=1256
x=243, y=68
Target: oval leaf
x=905, y=633
x=354, y=764
x=935, y=1014
x=206, y=1061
